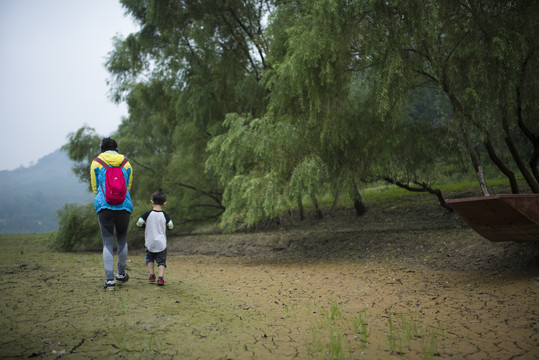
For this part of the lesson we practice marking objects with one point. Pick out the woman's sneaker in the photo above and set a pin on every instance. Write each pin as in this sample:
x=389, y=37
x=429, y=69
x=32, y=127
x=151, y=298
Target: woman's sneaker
x=160, y=281
x=151, y=278
x=122, y=278
x=109, y=285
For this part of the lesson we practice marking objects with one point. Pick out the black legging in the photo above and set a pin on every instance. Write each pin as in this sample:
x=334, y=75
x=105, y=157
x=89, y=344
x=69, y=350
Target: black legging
x=109, y=220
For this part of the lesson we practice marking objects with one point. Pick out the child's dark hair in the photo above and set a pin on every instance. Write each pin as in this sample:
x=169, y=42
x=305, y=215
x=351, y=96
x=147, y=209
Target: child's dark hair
x=159, y=197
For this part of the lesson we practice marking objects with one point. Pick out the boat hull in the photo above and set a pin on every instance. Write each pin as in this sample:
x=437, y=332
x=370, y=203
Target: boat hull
x=504, y=217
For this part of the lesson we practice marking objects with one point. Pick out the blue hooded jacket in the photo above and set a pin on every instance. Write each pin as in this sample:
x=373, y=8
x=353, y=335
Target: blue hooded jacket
x=97, y=177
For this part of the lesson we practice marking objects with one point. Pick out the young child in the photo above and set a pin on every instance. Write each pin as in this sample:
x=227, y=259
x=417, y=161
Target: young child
x=156, y=222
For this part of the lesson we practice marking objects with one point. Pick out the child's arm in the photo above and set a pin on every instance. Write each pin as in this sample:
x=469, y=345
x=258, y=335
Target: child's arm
x=170, y=225
x=142, y=220
x=141, y=223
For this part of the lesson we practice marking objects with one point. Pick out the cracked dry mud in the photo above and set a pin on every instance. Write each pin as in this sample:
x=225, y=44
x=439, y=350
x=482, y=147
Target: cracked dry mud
x=398, y=283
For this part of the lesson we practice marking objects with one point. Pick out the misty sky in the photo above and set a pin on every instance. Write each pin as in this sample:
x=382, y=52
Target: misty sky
x=52, y=77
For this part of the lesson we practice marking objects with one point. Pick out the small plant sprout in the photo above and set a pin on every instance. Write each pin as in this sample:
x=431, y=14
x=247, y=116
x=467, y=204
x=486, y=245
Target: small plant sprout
x=335, y=312
x=286, y=309
x=335, y=347
x=390, y=335
x=361, y=329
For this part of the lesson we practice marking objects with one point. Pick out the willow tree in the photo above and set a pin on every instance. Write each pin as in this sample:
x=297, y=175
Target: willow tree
x=480, y=54
x=309, y=84
x=318, y=135
x=190, y=63
x=320, y=79
x=266, y=166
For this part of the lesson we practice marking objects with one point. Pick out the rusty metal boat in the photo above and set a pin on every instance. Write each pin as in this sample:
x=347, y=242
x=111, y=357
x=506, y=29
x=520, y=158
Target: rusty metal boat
x=504, y=217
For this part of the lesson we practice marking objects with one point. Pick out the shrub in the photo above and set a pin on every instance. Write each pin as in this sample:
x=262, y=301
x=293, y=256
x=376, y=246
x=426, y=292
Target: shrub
x=78, y=229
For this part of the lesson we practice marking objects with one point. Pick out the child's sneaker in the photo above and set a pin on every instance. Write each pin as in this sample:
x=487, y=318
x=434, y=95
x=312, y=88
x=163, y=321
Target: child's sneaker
x=122, y=278
x=109, y=285
x=151, y=278
x=160, y=281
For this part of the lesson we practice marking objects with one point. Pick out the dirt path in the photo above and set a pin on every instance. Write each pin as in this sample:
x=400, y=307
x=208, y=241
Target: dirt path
x=340, y=288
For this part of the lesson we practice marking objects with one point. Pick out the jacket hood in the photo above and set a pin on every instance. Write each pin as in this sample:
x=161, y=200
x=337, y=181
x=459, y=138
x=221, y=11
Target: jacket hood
x=112, y=158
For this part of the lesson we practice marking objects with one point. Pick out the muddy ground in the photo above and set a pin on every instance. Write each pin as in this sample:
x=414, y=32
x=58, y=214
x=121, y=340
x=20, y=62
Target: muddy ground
x=405, y=281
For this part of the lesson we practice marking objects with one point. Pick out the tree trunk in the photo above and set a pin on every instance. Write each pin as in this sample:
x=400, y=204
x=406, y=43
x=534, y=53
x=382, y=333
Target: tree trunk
x=533, y=162
x=317, y=207
x=475, y=162
x=359, y=205
x=300, y=208
x=482, y=181
x=534, y=139
x=504, y=169
x=458, y=111
x=335, y=202
x=532, y=183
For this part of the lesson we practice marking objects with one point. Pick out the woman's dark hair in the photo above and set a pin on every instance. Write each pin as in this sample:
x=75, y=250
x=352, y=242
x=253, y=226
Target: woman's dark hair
x=159, y=197
x=108, y=144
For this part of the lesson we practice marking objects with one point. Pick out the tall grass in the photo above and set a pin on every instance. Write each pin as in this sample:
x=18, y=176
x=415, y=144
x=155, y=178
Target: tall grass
x=361, y=329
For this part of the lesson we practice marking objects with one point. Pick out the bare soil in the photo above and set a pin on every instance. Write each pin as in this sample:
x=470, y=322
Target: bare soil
x=407, y=280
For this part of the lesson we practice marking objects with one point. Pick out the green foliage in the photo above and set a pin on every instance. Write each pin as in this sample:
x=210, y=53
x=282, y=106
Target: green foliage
x=240, y=110
x=422, y=139
x=190, y=64
x=480, y=64
x=254, y=160
x=310, y=56
x=320, y=85
x=83, y=146
x=79, y=229
x=308, y=177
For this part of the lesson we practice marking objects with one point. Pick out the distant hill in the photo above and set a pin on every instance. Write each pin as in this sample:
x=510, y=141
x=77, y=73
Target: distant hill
x=30, y=197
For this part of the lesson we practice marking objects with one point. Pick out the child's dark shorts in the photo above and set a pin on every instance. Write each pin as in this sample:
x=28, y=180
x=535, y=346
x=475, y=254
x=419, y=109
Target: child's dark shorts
x=160, y=258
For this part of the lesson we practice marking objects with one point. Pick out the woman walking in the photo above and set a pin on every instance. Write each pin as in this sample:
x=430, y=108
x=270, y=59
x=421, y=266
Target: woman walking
x=111, y=177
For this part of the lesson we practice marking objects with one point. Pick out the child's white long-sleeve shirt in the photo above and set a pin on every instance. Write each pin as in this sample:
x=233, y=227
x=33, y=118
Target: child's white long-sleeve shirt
x=156, y=224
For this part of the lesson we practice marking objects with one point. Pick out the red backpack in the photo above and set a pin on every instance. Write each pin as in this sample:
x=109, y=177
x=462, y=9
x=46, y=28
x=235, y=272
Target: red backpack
x=115, y=186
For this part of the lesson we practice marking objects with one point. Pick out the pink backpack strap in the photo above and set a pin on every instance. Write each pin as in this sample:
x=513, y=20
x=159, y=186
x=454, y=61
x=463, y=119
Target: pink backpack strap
x=104, y=164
